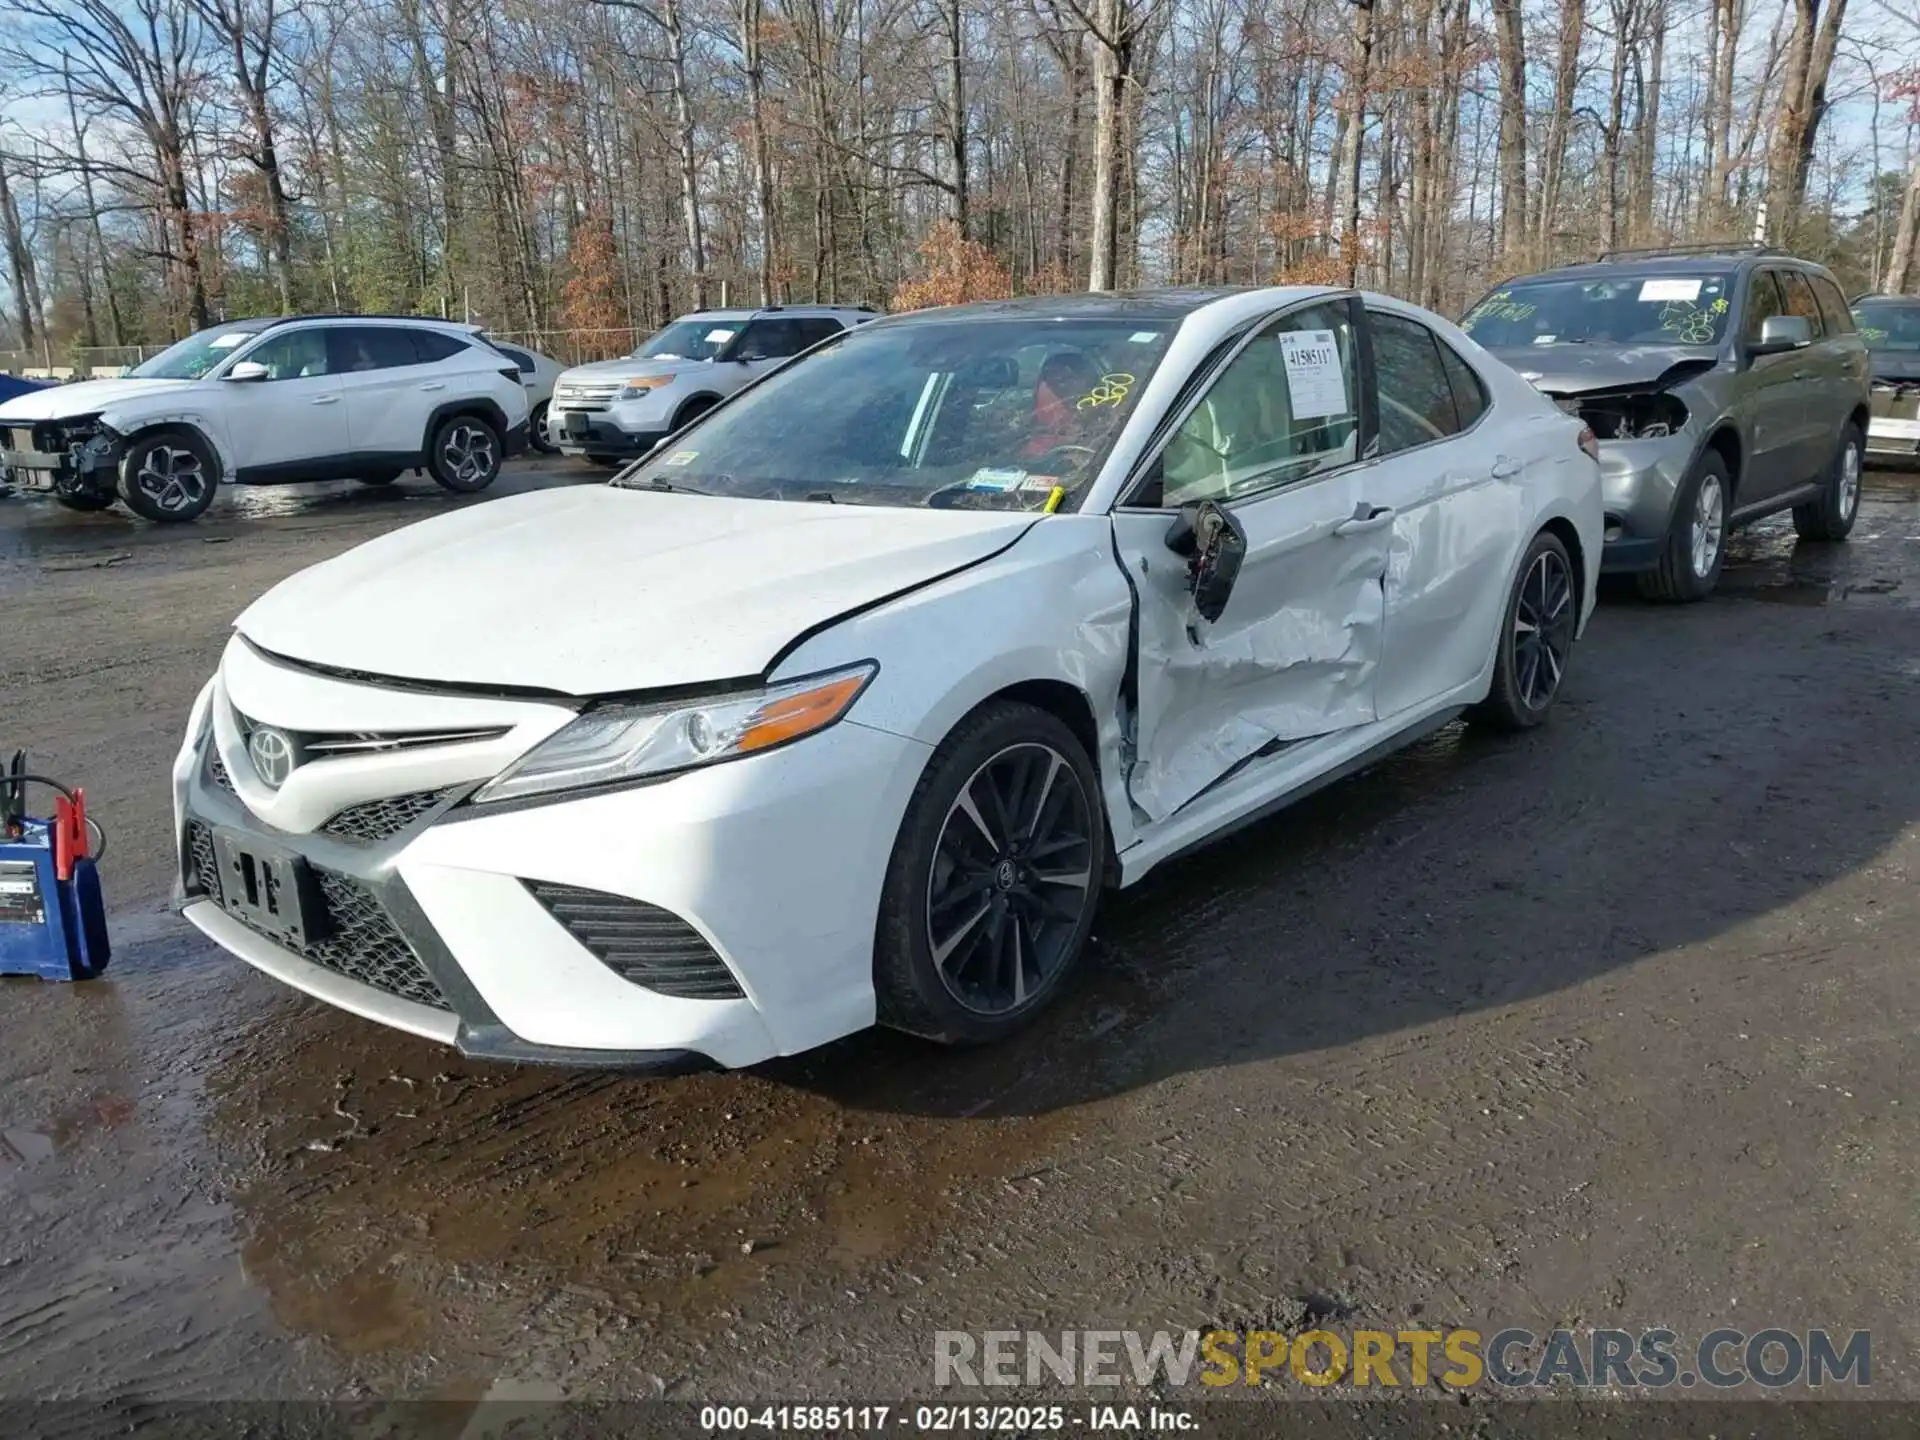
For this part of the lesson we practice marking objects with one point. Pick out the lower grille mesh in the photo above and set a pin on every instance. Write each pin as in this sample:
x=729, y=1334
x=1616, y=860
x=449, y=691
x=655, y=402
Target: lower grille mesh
x=362, y=942
x=375, y=820
x=641, y=943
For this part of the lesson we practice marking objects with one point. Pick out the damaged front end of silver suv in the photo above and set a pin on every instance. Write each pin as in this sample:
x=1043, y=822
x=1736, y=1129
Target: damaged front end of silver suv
x=1642, y=404
x=76, y=458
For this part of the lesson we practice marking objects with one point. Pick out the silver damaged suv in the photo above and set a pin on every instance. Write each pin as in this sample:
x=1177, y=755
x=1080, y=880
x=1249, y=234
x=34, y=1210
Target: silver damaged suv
x=1723, y=384
x=614, y=410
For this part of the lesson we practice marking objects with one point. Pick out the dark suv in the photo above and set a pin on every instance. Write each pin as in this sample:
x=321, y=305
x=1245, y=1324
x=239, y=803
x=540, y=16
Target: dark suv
x=1890, y=324
x=1724, y=384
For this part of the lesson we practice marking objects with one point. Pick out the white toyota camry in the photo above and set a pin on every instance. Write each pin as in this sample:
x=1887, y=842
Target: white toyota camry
x=847, y=704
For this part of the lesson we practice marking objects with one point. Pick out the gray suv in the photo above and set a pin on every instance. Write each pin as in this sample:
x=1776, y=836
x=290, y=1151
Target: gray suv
x=1723, y=384
x=613, y=410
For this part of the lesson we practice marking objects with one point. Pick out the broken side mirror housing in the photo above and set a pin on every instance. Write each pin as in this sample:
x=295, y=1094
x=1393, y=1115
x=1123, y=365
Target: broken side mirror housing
x=1214, y=543
x=1780, y=333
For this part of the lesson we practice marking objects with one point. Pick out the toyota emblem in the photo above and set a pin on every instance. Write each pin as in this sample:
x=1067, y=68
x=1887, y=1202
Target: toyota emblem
x=272, y=754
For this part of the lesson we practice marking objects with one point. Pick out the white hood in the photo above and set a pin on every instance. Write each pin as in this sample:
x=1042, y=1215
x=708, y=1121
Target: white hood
x=597, y=589
x=88, y=397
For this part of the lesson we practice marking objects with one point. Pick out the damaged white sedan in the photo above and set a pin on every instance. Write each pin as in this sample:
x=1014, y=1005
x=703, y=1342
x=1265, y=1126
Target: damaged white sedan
x=846, y=705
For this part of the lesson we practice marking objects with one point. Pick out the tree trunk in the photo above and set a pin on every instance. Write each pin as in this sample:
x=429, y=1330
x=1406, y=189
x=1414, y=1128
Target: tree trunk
x=1112, y=62
x=1359, y=76
x=1553, y=159
x=1512, y=54
x=1901, y=270
x=957, y=112
x=764, y=212
x=19, y=259
x=1803, y=103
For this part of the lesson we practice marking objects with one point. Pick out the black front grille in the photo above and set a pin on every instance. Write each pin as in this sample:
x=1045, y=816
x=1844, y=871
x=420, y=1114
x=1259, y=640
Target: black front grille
x=639, y=942
x=375, y=820
x=361, y=942
x=217, y=771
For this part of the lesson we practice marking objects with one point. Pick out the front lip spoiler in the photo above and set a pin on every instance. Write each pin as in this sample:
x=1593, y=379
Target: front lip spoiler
x=496, y=1042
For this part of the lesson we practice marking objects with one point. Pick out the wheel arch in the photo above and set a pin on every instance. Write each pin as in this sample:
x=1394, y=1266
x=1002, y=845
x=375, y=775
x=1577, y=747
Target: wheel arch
x=481, y=407
x=1725, y=441
x=132, y=433
x=705, y=401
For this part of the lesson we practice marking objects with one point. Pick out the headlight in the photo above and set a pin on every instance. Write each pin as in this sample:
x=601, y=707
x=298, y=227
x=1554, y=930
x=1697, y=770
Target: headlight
x=620, y=743
x=639, y=385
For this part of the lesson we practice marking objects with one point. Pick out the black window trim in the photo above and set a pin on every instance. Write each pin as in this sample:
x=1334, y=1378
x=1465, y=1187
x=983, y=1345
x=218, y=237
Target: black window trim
x=1754, y=277
x=1209, y=371
x=1486, y=391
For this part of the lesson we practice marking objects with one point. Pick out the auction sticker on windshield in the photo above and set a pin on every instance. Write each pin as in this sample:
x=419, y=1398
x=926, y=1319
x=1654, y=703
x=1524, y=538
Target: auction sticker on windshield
x=1653, y=290
x=1315, y=384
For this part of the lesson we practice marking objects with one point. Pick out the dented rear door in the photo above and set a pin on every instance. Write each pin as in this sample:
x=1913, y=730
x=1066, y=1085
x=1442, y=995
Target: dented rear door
x=1295, y=653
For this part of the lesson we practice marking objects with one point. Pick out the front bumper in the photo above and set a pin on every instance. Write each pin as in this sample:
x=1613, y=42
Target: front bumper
x=1893, y=428
x=584, y=432
x=437, y=927
x=517, y=441
x=1640, y=481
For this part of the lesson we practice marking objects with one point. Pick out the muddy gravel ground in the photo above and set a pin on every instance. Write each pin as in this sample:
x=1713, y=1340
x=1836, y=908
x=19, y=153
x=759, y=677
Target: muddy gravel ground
x=1611, y=1025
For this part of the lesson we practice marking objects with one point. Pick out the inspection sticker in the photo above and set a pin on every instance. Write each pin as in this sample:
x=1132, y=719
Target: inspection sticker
x=681, y=457
x=1316, y=385
x=1688, y=290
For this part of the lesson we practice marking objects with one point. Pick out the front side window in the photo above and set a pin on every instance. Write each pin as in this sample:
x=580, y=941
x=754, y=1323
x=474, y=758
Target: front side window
x=814, y=330
x=1800, y=300
x=1763, y=303
x=1645, y=308
x=1286, y=407
x=769, y=340
x=195, y=356
x=688, y=340
x=1416, y=397
x=967, y=413
x=293, y=354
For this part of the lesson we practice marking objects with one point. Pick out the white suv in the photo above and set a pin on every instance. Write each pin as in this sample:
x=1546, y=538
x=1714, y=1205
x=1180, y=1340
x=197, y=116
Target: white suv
x=263, y=401
x=613, y=410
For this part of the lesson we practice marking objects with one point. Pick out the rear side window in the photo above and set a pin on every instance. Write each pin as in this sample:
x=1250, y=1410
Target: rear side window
x=357, y=348
x=519, y=357
x=1763, y=303
x=1833, y=307
x=1800, y=299
x=1416, y=397
x=433, y=345
x=1469, y=391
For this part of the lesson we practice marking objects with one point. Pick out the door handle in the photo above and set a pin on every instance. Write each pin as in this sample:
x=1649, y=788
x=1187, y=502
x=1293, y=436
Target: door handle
x=434, y=385
x=328, y=400
x=1505, y=468
x=1365, y=518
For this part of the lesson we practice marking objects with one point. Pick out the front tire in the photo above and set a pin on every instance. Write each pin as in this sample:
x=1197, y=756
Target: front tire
x=537, y=433
x=994, y=880
x=1689, y=565
x=1831, y=517
x=169, y=477
x=1536, y=640
x=465, y=454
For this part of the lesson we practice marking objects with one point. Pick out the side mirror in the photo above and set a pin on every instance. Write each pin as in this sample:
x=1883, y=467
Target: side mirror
x=1214, y=544
x=1780, y=333
x=249, y=370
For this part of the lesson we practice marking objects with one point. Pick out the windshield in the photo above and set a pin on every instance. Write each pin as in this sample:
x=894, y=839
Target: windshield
x=1889, y=324
x=194, y=356
x=689, y=340
x=1625, y=310
x=981, y=414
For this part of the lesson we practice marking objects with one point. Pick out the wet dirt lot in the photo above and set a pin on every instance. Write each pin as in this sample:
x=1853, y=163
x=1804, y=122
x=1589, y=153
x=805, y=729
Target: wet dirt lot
x=1612, y=1025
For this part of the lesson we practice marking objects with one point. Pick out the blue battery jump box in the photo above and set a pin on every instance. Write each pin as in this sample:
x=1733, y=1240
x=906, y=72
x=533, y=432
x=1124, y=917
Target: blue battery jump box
x=53, y=918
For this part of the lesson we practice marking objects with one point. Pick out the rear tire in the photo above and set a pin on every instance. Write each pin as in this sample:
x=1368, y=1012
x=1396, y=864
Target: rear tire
x=1536, y=640
x=1831, y=517
x=465, y=454
x=169, y=476
x=1696, y=545
x=994, y=880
